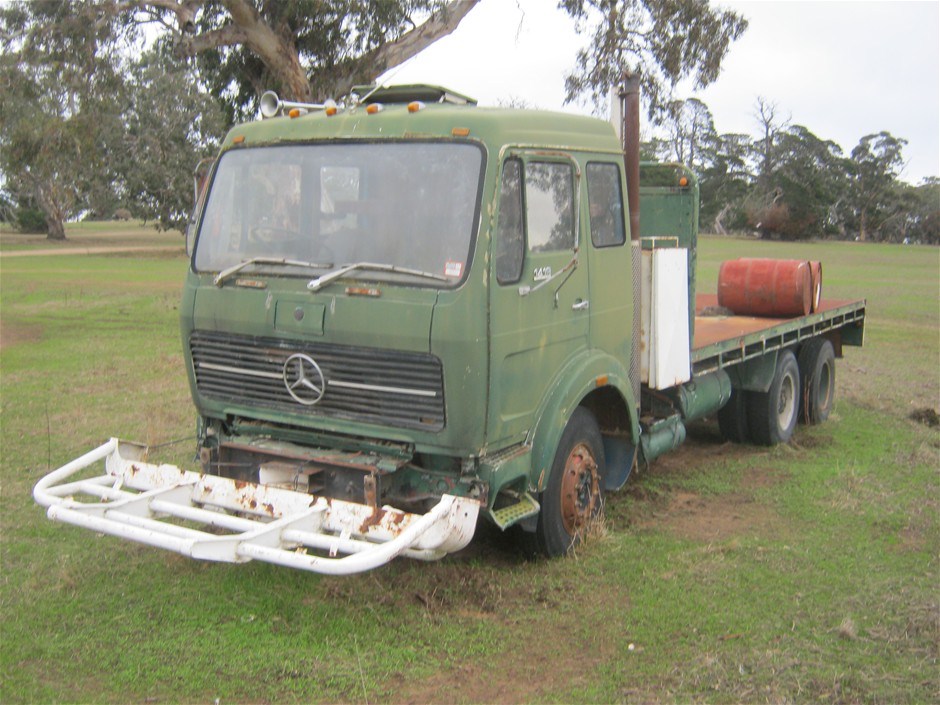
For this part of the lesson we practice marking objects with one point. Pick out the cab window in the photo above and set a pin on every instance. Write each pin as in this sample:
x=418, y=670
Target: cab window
x=605, y=201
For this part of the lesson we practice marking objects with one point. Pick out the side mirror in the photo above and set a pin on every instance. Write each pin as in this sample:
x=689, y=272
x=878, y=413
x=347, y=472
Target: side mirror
x=190, y=237
x=200, y=182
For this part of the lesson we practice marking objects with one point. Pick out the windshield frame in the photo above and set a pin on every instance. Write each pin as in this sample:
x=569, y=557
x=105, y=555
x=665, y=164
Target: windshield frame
x=385, y=277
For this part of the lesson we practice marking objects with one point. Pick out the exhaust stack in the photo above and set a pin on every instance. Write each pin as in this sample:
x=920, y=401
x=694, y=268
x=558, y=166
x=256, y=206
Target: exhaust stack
x=630, y=141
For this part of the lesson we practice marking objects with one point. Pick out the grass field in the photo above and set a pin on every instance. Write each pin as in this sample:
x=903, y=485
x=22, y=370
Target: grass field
x=723, y=574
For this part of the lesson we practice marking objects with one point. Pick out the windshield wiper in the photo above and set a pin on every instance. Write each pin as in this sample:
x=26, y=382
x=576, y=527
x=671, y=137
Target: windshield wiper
x=320, y=282
x=226, y=273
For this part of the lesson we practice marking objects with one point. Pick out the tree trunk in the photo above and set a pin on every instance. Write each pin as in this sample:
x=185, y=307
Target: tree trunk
x=51, y=209
x=55, y=227
x=719, y=224
x=277, y=52
x=863, y=226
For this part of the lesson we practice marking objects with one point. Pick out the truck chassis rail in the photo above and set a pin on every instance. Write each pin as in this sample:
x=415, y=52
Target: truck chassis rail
x=161, y=505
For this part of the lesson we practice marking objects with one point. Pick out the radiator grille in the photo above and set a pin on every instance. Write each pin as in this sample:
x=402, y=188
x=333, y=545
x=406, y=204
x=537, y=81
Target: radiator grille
x=387, y=387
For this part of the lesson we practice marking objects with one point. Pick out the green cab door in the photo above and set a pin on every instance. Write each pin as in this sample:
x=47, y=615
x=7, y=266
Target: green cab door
x=539, y=288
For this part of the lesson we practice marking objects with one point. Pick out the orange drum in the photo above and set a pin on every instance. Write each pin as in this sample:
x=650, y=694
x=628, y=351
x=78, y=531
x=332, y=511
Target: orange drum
x=775, y=288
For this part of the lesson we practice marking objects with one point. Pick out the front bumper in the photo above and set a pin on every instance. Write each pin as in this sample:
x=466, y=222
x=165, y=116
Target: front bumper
x=158, y=505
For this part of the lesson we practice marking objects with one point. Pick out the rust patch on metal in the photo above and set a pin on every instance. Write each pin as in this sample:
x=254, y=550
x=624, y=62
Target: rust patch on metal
x=369, y=490
x=240, y=484
x=134, y=469
x=268, y=508
x=374, y=519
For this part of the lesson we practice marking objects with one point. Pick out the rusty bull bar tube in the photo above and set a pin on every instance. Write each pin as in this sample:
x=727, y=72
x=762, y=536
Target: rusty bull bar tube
x=135, y=498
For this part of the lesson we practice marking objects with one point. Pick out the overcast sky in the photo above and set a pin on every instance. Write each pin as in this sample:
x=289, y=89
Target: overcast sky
x=842, y=69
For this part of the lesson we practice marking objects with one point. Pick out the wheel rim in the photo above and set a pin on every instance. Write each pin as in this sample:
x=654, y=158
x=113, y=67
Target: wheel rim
x=825, y=387
x=786, y=402
x=580, y=492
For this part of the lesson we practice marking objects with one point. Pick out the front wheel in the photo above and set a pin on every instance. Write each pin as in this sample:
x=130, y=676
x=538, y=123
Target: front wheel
x=773, y=413
x=572, y=499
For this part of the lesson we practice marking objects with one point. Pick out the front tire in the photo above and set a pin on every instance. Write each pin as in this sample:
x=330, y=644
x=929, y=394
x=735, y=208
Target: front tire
x=572, y=499
x=773, y=413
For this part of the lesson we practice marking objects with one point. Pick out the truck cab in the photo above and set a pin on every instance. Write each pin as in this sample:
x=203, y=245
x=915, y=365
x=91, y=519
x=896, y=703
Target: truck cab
x=410, y=297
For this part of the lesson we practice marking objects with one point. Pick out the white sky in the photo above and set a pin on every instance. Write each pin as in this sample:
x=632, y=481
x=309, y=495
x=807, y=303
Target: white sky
x=842, y=69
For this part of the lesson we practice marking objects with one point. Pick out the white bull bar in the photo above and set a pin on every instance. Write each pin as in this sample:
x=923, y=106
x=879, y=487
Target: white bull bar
x=139, y=501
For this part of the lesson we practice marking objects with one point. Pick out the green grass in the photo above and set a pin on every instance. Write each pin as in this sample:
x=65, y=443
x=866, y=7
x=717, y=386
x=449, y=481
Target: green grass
x=126, y=234
x=802, y=573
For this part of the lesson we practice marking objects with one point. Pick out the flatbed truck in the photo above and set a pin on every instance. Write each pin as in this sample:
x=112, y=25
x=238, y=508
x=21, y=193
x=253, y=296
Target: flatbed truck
x=406, y=314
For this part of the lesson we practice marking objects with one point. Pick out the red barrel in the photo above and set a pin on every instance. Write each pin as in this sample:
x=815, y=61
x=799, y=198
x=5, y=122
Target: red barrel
x=766, y=287
x=815, y=273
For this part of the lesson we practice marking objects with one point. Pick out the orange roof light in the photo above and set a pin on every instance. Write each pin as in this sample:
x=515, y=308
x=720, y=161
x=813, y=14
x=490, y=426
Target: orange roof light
x=460, y=131
x=374, y=108
x=330, y=110
x=295, y=112
x=238, y=140
x=684, y=181
x=415, y=106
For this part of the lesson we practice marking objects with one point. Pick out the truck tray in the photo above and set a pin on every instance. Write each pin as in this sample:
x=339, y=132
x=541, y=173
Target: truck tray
x=218, y=519
x=723, y=340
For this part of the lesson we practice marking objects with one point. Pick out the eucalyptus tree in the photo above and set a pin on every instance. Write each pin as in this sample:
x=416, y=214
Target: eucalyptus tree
x=169, y=124
x=58, y=78
x=306, y=50
x=691, y=133
x=666, y=41
x=809, y=182
x=877, y=162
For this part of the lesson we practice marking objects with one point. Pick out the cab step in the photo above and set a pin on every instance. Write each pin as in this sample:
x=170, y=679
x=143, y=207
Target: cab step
x=524, y=507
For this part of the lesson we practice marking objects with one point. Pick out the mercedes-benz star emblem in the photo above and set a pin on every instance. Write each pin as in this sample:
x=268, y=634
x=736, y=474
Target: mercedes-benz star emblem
x=304, y=379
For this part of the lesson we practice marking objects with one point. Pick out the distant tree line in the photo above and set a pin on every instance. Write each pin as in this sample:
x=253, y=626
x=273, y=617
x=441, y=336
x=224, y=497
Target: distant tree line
x=97, y=122
x=786, y=183
x=108, y=104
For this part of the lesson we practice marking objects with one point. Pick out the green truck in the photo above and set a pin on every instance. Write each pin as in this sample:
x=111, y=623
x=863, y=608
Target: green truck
x=407, y=314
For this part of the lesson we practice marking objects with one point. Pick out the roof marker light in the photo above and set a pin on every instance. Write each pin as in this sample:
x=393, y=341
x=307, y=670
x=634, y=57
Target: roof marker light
x=460, y=131
x=415, y=106
x=374, y=108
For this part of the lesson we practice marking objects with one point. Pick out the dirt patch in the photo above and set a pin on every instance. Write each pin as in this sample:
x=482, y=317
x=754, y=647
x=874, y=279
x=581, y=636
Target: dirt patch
x=926, y=416
x=714, y=518
x=16, y=334
x=556, y=649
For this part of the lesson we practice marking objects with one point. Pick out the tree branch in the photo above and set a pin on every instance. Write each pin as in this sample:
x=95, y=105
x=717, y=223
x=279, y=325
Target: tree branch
x=374, y=63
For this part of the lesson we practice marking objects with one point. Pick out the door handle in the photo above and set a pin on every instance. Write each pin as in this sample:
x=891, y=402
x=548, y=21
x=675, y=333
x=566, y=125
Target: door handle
x=581, y=305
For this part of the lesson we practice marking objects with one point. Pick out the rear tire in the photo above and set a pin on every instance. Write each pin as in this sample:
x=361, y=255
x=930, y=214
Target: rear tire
x=773, y=413
x=732, y=417
x=817, y=364
x=572, y=499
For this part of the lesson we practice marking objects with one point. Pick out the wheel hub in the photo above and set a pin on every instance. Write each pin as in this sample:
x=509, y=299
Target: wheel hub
x=580, y=493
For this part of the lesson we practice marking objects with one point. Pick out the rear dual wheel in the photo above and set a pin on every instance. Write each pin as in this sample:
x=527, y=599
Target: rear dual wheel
x=732, y=417
x=817, y=364
x=772, y=414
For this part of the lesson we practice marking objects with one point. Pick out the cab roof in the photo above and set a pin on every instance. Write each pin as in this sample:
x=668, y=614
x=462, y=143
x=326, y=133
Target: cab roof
x=433, y=113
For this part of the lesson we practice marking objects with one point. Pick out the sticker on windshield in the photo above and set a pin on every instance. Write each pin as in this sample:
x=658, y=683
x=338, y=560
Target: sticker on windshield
x=453, y=269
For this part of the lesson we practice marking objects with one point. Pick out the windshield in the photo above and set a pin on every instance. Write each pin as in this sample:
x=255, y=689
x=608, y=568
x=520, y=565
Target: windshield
x=411, y=205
